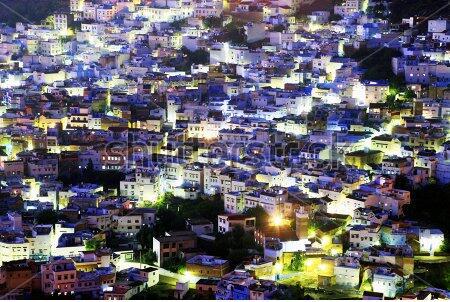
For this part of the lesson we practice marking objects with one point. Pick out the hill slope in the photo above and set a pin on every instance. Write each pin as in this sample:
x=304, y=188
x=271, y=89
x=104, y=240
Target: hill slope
x=12, y=11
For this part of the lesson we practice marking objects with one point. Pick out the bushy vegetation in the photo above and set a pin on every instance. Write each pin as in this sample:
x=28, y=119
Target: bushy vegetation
x=187, y=58
x=213, y=22
x=235, y=246
x=407, y=8
x=262, y=218
x=298, y=262
x=376, y=63
x=430, y=204
x=178, y=24
x=12, y=11
x=47, y=217
x=109, y=179
x=291, y=292
x=172, y=213
x=93, y=244
x=234, y=33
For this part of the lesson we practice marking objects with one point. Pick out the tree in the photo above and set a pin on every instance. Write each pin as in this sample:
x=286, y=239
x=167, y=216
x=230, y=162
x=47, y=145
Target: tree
x=378, y=10
x=93, y=244
x=407, y=8
x=235, y=34
x=234, y=245
x=89, y=173
x=168, y=219
x=148, y=257
x=279, y=28
x=297, y=262
x=199, y=56
x=376, y=62
x=428, y=203
x=162, y=201
x=262, y=218
x=29, y=11
x=47, y=217
x=145, y=237
x=291, y=292
x=213, y=22
x=402, y=182
x=335, y=17
x=174, y=264
x=188, y=58
x=177, y=24
x=409, y=95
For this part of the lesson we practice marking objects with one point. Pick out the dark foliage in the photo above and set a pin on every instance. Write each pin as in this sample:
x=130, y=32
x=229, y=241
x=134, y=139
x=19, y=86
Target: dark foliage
x=26, y=11
x=109, y=179
x=234, y=246
x=262, y=218
x=376, y=62
x=212, y=22
x=430, y=204
x=47, y=217
x=407, y=8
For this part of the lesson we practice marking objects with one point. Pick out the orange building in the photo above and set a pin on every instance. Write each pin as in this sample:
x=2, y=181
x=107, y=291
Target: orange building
x=59, y=276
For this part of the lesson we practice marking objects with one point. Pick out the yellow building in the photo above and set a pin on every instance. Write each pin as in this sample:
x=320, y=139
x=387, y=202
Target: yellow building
x=325, y=276
x=386, y=144
x=362, y=158
x=45, y=122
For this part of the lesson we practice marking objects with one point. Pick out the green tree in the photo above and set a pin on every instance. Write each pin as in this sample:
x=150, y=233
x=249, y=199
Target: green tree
x=174, y=264
x=213, y=22
x=402, y=182
x=235, y=34
x=235, y=245
x=145, y=237
x=29, y=11
x=199, y=56
x=291, y=292
x=177, y=24
x=149, y=258
x=409, y=95
x=261, y=216
x=168, y=219
x=335, y=17
x=93, y=244
x=279, y=28
x=47, y=217
x=297, y=262
x=376, y=62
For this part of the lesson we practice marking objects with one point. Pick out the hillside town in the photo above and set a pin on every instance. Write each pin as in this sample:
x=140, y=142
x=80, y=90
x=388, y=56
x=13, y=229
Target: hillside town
x=225, y=149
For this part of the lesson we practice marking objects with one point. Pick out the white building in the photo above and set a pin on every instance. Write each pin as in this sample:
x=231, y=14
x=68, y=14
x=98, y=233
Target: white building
x=145, y=186
x=346, y=272
x=362, y=237
x=443, y=170
x=430, y=240
x=227, y=222
x=16, y=249
x=438, y=25
x=387, y=282
x=127, y=225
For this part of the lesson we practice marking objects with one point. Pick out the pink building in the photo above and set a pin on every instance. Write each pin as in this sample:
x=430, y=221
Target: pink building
x=59, y=276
